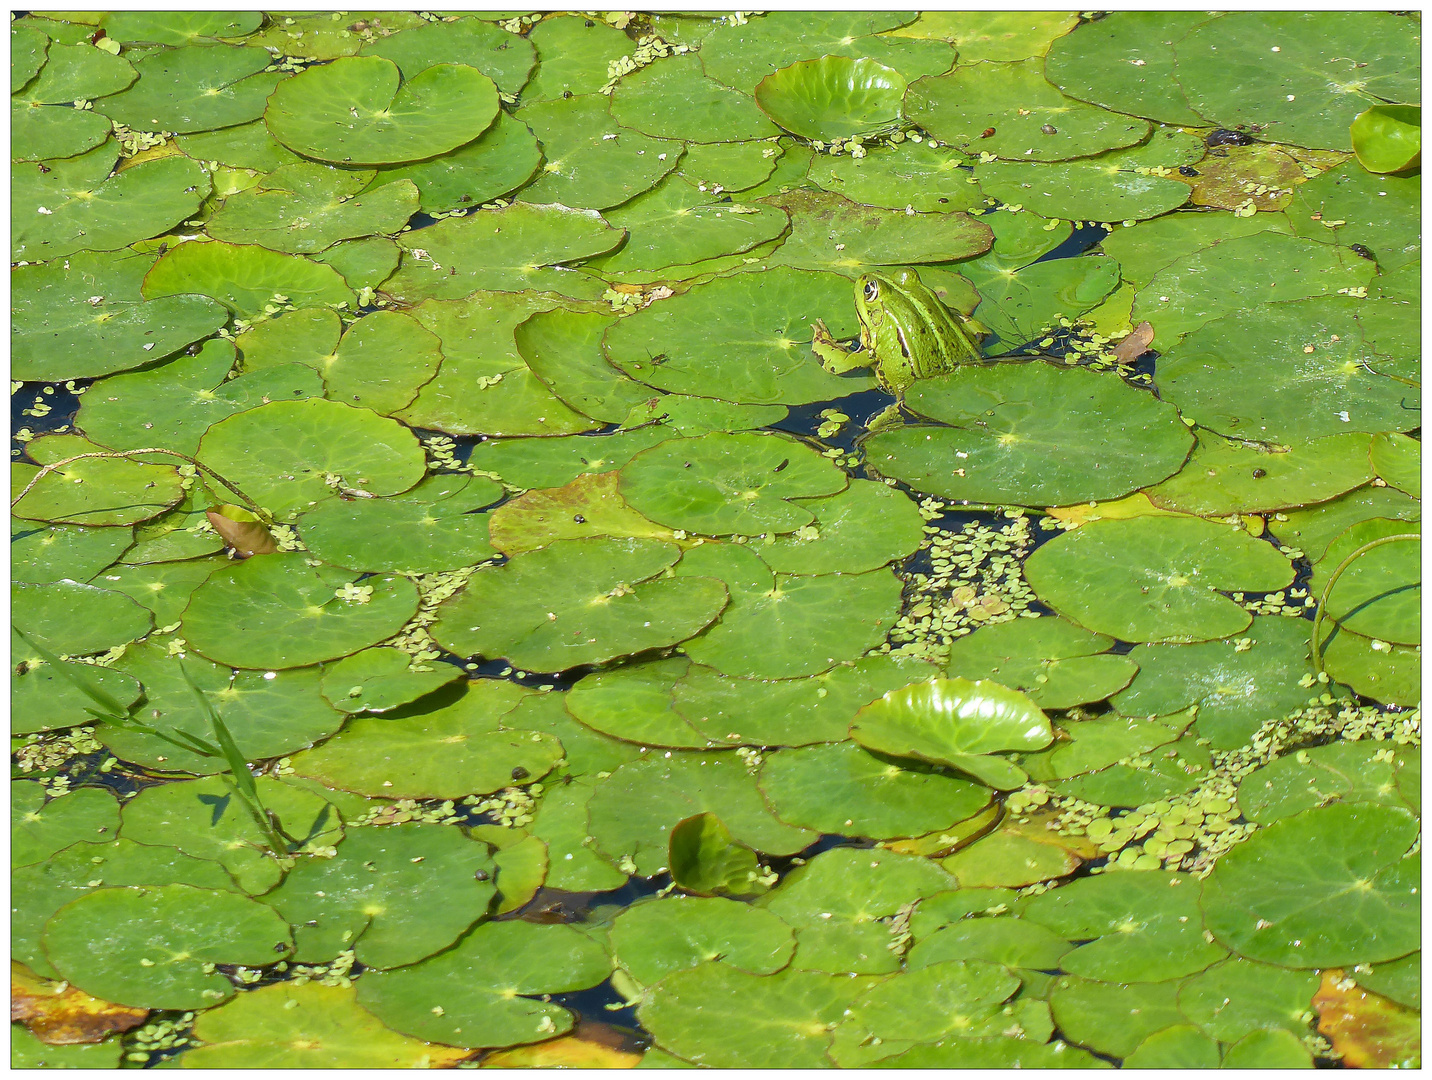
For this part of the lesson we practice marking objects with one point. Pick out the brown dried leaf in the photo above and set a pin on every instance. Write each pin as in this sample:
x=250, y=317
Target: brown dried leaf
x=238, y=528
x=588, y=506
x=1368, y=1030
x=568, y=1052
x=59, y=1014
x=1135, y=343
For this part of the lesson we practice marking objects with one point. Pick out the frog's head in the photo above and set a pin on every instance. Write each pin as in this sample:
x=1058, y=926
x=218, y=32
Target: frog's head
x=873, y=293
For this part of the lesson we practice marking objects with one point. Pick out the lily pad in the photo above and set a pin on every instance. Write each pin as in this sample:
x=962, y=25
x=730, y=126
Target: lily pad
x=634, y=702
x=1324, y=888
x=786, y=613
x=319, y=36
x=587, y=506
x=276, y=611
x=864, y=527
x=422, y=752
x=1236, y=683
x=522, y=246
x=1082, y=1008
x=990, y=1052
x=363, y=263
x=1017, y=101
x=992, y=35
x=951, y=998
x=73, y=619
x=42, y=699
x=958, y=723
x=574, y=56
x=1011, y=443
x=1011, y=940
x=243, y=146
x=719, y=167
x=374, y=897
x=652, y=939
x=354, y=112
x=503, y=57
x=282, y=453
x=1149, y=246
x=28, y=48
x=178, y=27
x=844, y=789
x=1343, y=772
x=1348, y=205
x=906, y=174
x=1380, y=594
x=43, y=124
x=564, y=350
x=164, y=588
x=1115, y=186
x=306, y=1025
x=633, y=811
x=834, y=97
x=1058, y=665
x=706, y=861
x=244, y=278
x=195, y=88
x=561, y=824
x=740, y=338
x=98, y=941
x=500, y=160
x=41, y=827
x=379, y=679
x=1168, y=770
x=578, y=602
x=1224, y=478
x=1168, y=591
x=471, y=995
x=1398, y=460
x=91, y=491
x=1235, y=998
x=1181, y=1046
x=675, y=99
x=552, y=463
x=1388, y=138
x=84, y=316
x=40, y=552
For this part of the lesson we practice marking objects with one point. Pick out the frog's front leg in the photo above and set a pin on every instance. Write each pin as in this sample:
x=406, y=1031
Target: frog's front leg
x=833, y=356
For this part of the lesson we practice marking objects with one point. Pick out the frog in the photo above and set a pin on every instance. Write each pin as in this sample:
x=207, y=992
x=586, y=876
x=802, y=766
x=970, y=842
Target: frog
x=906, y=333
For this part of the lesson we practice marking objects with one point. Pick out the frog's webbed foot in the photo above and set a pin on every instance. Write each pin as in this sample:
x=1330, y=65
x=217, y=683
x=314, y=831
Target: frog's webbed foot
x=833, y=356
x=887, y=418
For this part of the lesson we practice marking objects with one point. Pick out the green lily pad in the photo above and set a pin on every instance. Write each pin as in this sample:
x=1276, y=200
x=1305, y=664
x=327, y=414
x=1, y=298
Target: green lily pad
x=1380, y=594
x=957, y=723
x=591, y=160
x=1010, y=442
x=174, y=403
x=1400, y=980
x=1142, y=922
x=587, y=506
x=243, y=146
x=379, y=679
x=692, y=416
x=844, y=789
x=97, y=942
x=677, y=224
x=91, y=491
x=1348, y=205
x=268, y=713
x=195, y=88
x=1058, y=665
x=75, y=205
x=244, y=278
x=675, y=99
x=1384, y=672
x=1236, y=683
x=1019, y=308
x=28, y=48
x=634, y=702
x=1328, y=67
x=276, y=611
x=652, y=939
x=864, y=527
x=522, y=246
x=1324, y=888
x=164, y=588
x=84, y=316
x=41, y=552
x=740, y=338
x=952, y=998
x=1239, y=275
x=429, y=529
x=178, y=27
x=1092, y=745
x=834, y=97
x=40, y=827
x=73, y=619
x=42, y=699
x=203, y=819
x=1155, y=578
x=992, y=35
x=1297, y=394
x=471, y=994
x=578, y=602
x=498, y=161
x=505, y=58
x=181, y=533
x=354, y=112
x=1235, y=998
x=1019, y=104
x=1168, y=770
x=718, y=167
x=425, y=753
x=1388, y=138
x=551, y=463
x=836, y=901
x=306, y=1025
x=1082, y=1008
x=45, y=132
x=991, y=1052
x=1115, y=186
x=320, y=36
x=1181, y=1046
x=717, y=1015
x=1224, y=478
x=908, y=174
x=574, y=56
x=42, y=123
x=706, y=861
x=586, y=752
x=364, y=263
x=1126, y=62
x=789, y=712
x=1146, y=248
x=787, y=614
x=377, y=899
x=1012, y=941
x=564, y=350
x=1343, y=772
x=1268, y=1050
x=561, y=824
x=695, y=484
x=633, y=811
x=307, y=207
x=282, y=453
x=829, y=232
x=1398, y=460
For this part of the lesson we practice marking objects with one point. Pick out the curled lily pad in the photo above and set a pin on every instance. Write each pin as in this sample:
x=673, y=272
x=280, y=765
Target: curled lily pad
x=1155, y=578
x=834, y=97
x=706, y=861
x=578, y=602
x=355, y=112
x=383, y=679
x=182, y=931
x=1055, y=663
x=244, y=278
x=1320, y=888
x=276, y=611
x=958, y=723
x=91, y=491
x=195, y=88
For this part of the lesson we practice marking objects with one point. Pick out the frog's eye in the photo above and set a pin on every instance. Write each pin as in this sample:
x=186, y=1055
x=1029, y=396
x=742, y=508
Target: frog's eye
x=872, y=290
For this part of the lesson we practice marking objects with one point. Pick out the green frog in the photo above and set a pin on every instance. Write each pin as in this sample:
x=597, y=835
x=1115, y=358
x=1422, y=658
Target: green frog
x=906, y=333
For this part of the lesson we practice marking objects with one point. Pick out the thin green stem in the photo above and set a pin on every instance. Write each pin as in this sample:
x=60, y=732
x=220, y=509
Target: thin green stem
x=1333, y=580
